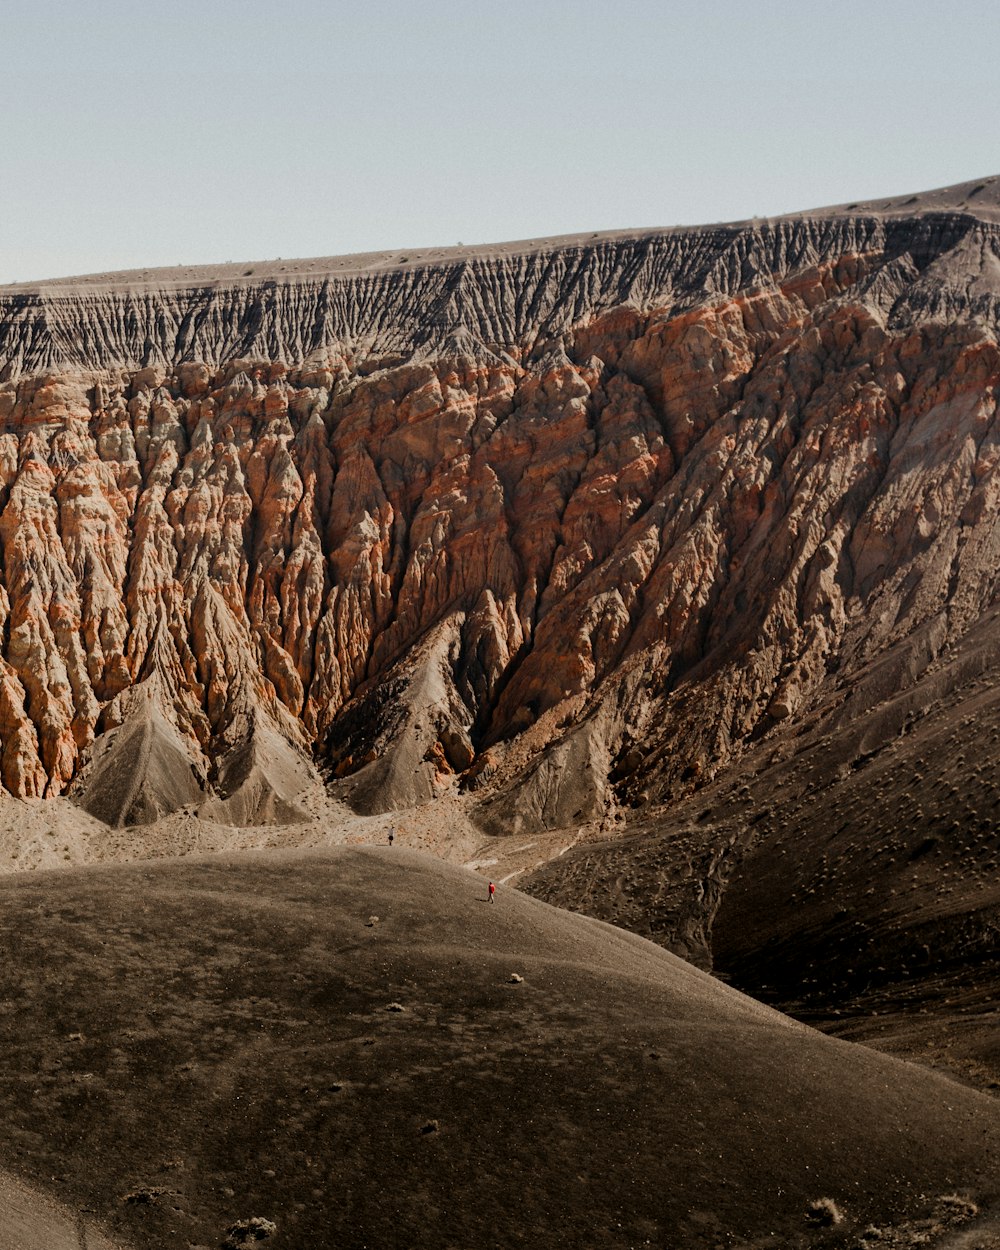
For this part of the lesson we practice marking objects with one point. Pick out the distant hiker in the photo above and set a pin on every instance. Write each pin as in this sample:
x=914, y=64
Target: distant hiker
x=493, y=891
x=392, y=834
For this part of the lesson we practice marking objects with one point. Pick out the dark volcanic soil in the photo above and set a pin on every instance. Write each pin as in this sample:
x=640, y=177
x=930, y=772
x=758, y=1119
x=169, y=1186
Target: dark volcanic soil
x=338, y=1043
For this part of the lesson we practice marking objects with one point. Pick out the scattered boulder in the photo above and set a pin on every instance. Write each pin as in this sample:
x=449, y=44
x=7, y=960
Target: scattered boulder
x=824, y=1213
x=244, y=1232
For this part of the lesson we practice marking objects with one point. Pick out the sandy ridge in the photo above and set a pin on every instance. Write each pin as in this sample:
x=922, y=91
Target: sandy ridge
x=979, y=198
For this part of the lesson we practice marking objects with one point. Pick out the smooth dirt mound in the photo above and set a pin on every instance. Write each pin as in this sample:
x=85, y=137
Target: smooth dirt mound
x=139, y=771
x=337, y=1042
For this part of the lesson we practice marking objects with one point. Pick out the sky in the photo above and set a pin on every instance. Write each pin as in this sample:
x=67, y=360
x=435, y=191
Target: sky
x=137, y=133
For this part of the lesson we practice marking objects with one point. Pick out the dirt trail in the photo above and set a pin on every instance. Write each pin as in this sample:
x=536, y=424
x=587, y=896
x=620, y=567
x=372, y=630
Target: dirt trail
x=29, y=1220
x=981, y=1234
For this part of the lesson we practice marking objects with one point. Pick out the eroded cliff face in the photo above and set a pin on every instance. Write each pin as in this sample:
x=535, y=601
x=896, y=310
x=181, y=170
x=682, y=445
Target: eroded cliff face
x=568, y=529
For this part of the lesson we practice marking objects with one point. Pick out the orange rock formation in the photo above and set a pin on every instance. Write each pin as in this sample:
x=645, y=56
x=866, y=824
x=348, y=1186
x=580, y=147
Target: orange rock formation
x=532, y=522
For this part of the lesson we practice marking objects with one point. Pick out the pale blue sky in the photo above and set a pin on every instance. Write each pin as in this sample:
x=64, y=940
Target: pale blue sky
x=144, y=133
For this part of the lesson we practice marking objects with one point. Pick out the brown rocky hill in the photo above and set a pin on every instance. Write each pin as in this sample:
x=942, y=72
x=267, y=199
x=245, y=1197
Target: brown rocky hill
x=356, y=1048
x=579, y=529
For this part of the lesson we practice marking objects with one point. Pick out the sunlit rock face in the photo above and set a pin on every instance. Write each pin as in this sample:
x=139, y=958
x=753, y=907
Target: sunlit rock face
x=552, y=525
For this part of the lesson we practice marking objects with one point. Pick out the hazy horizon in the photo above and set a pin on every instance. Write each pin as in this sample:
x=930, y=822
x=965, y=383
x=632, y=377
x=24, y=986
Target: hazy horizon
x=199, y=134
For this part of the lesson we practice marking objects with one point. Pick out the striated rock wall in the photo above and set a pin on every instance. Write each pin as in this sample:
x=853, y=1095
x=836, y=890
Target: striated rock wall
x=935, y=264
x=569, y=527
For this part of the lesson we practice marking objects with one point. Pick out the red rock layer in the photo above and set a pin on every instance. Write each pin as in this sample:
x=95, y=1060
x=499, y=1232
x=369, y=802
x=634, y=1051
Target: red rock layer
x=646, y=541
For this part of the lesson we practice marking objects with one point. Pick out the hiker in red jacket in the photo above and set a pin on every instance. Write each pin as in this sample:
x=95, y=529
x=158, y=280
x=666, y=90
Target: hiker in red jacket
x=493, y=891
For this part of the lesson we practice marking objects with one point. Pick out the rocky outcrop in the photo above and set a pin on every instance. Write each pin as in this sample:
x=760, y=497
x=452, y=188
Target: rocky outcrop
x=568, y=527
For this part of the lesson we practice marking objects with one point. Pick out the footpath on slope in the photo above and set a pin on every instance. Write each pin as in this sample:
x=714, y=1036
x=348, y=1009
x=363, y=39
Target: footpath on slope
x=30, y=1220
